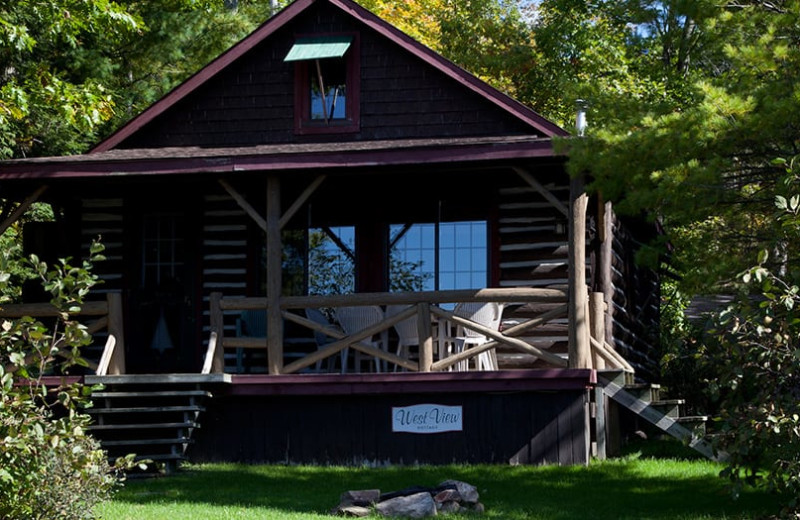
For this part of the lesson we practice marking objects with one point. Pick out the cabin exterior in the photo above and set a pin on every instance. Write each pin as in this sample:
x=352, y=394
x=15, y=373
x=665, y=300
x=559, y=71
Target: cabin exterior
x=328, y=124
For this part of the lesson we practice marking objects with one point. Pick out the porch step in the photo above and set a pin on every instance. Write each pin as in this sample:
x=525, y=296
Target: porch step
x=149, y=416
x=147, y=409
x=663, y=414
x=669, y=407
x=142, y=426
x=647, y=392
x=695, y=423
x=136, y=442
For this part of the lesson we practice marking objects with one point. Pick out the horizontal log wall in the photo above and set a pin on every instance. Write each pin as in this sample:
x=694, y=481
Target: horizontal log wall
x=636, y=301
x=533, y=253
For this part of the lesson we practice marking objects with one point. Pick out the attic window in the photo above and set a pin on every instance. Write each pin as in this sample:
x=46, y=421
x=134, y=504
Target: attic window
x=326, y=83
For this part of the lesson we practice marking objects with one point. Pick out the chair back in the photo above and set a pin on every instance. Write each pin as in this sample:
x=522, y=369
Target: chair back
x=319, y=317
x=407, y=330
x=488, y=314
x=252, y=324
x=357, y=318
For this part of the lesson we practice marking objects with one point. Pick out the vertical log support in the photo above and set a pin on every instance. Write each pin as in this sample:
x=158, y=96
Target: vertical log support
x=218, y=327
x=425, y=337
x=115, y=328
x=579, y=345
x=606, y=258
x=597, y=311
x=273, y=277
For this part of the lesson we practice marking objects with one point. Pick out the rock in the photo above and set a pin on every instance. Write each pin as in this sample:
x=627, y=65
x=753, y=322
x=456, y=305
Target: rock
x=353, y=511
x=450, y=506
x=419, y=505
x=363, y=497
x=451, y=496
x=468, y=492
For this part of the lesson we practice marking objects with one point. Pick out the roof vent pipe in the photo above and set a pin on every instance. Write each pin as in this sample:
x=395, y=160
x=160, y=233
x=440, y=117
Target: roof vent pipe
x=580, y=117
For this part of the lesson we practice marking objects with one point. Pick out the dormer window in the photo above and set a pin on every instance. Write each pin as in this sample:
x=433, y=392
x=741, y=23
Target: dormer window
x=326, y=83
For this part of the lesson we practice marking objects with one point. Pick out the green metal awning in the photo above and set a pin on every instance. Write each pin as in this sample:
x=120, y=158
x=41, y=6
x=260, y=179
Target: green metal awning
x=319, y=47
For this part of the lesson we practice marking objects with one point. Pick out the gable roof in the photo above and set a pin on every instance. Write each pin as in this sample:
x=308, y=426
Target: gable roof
x=364, y=17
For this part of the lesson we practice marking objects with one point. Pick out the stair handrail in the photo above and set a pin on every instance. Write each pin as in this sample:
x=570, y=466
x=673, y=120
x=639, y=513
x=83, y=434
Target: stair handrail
x=610, y=355
x=108, y=353
x=208, y=361
x=109, y=317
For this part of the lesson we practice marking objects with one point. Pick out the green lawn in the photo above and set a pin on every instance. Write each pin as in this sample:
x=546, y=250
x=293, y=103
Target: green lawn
x=637, y=486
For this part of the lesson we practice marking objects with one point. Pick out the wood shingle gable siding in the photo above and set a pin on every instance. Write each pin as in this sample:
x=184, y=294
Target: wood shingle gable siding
x=246, y=96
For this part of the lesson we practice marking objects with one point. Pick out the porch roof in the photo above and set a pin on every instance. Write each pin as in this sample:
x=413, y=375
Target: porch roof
x=273, y=157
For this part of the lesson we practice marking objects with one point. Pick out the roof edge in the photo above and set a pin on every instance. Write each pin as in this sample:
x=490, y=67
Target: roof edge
x=204, y=74
x=502, y=100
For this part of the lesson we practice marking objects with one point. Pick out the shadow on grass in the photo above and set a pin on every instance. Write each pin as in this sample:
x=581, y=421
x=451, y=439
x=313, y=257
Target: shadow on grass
x=632, y=487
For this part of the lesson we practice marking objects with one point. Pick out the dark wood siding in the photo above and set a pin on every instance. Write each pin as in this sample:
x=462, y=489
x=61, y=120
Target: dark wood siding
x=522, y=427
x=252, y=101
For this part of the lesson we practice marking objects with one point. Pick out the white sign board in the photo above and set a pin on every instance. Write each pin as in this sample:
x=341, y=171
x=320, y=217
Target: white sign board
x=427, y=418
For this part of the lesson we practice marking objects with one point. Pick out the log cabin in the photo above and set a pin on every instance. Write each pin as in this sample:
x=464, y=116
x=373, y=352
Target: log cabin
x=330, y=161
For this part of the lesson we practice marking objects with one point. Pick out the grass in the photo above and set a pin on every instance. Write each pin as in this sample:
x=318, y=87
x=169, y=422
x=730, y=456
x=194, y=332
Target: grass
x=662, y=485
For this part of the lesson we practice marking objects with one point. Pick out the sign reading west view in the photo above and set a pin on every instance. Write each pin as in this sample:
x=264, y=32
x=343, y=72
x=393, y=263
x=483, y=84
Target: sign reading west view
x=427, y=418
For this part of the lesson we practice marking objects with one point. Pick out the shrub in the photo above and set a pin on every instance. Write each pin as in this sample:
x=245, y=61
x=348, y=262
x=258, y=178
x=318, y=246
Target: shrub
x=50, y=467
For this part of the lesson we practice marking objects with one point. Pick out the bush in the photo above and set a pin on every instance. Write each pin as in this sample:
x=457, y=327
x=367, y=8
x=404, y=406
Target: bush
x=50, y=467
x=756, y=358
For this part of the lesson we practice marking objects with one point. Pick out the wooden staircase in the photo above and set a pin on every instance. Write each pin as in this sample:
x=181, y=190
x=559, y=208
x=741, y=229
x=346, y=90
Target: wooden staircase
x=645, y=402
x=151, y=416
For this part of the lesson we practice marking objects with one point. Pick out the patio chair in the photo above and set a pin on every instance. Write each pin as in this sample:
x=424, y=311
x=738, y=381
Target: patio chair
x=407, y=331
x=357, y=318
x=488, y=314
x=249, y=324
x=323, y=340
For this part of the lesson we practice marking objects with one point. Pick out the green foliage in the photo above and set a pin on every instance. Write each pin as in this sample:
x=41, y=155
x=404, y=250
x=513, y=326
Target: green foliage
x=50, y=467
x=702, y=161
x=74, y=70
x=756, y=357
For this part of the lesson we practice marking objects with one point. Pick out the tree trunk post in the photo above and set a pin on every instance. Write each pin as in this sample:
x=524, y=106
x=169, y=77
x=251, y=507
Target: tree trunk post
x=115, y=328
x=597, y=307
x=217, y=325
x=579, y=345
x=425, y=338
x=273, y=277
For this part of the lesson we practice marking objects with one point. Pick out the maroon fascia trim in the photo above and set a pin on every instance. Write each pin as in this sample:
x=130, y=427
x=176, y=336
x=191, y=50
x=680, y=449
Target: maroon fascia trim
x=166, y=166
x=414, y=382
x=467, y=79
x=366, y=17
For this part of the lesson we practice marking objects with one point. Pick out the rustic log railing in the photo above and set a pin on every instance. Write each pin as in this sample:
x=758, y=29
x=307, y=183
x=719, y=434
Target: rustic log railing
x=424, y=305
x=109, y=317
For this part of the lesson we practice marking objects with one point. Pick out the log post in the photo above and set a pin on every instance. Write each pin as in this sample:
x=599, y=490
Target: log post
x=425, y=336
x=115, y=328
x=218, y=327
x=597, y=307
x=579, y=346
x=606, y=272
x=273, y=277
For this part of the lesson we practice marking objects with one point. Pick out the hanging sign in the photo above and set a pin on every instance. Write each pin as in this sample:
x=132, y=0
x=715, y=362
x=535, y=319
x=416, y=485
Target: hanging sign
x=427, y=418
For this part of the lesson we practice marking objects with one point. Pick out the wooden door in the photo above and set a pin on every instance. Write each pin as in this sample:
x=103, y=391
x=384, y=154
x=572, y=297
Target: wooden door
x=163, y=298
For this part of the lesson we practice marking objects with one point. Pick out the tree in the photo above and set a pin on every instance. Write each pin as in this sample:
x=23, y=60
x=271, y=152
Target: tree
x=50, y=467
x=705, y=167
x=48, y=102
x=754, y=352
x=709, y=163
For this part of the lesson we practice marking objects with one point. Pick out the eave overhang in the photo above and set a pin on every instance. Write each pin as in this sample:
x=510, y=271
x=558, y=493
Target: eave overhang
x=287, y=157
